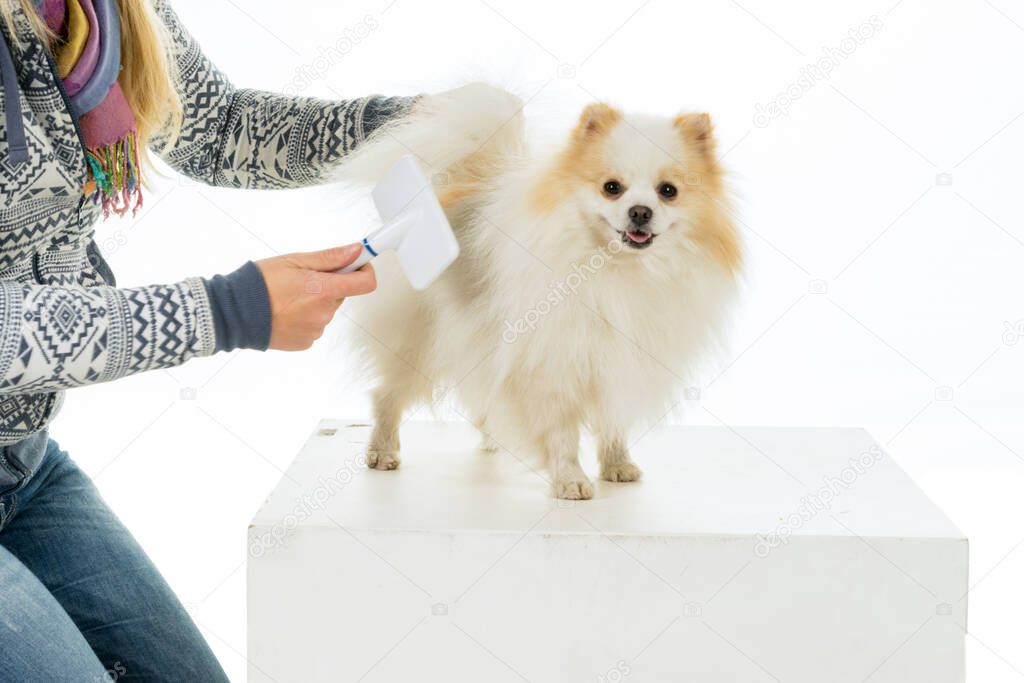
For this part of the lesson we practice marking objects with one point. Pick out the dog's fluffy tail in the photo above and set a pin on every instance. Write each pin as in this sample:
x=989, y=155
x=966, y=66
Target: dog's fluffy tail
x=455, y=136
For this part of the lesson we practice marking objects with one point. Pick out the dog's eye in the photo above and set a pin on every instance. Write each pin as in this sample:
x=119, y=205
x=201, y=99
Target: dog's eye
x=667, y=190
x=613, y=188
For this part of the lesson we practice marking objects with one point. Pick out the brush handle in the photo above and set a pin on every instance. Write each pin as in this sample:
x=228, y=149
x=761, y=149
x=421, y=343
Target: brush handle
x=387, y=236
x=365, y=256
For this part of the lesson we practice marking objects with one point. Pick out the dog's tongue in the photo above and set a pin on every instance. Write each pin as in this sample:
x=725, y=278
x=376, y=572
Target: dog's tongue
x=639, y=237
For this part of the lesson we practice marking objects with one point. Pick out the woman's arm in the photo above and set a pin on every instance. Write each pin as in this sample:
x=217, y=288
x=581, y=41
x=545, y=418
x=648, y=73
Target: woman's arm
x=57, y=337
x=249, y=138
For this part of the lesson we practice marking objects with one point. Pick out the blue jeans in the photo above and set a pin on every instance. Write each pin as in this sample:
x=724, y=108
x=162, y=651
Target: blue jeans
x=79, y=599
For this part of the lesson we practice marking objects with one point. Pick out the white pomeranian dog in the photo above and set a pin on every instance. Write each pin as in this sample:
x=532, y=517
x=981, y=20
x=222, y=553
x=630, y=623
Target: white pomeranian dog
x=591, y=278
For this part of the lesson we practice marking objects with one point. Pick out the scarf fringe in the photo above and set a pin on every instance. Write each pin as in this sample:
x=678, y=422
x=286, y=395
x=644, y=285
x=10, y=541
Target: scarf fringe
x=116, y=176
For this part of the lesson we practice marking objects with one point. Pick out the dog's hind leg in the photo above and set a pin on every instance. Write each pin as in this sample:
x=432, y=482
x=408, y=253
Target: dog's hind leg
x=616, y=465
x=388, y=406
x=397, y=391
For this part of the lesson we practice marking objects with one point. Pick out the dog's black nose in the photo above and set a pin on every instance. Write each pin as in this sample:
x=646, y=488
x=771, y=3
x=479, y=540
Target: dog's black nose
x=640, y=215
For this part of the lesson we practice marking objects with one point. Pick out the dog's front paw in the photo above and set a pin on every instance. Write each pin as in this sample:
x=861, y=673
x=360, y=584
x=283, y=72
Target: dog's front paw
x=382, y=460
x=622, y=471
x=574, y=489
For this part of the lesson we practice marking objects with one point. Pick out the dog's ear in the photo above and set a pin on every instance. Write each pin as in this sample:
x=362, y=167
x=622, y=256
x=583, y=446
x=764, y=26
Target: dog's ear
x=597, y=119
x=697, y=130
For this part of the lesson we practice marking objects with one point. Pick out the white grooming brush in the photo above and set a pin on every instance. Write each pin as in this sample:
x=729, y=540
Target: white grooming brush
x=415, y=226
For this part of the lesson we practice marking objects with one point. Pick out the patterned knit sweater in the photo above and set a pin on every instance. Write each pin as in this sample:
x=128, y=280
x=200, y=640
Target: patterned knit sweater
x=63, y=323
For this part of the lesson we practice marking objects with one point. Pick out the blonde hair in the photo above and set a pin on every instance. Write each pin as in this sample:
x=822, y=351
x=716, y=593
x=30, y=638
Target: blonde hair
x=148, y=75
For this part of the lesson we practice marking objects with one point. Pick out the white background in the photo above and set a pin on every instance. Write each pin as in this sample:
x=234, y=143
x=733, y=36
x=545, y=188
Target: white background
x=881, y=292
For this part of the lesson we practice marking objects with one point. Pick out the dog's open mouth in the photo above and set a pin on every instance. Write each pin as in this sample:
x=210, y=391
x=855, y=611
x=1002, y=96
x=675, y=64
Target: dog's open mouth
x=638, y=238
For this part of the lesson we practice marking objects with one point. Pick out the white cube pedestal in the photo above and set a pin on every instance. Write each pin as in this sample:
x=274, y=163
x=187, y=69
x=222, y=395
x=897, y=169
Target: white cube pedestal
x=748, y=555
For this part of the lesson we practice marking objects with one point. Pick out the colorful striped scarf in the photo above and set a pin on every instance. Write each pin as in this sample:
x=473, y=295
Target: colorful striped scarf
x=88, y=57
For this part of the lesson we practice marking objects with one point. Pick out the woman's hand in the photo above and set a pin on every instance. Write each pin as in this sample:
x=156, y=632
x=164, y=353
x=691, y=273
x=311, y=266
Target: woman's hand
x=305, y=292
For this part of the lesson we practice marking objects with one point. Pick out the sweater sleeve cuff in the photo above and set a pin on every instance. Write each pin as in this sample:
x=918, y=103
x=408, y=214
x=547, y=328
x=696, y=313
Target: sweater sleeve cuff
x=240, y=305
x=378, y=110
